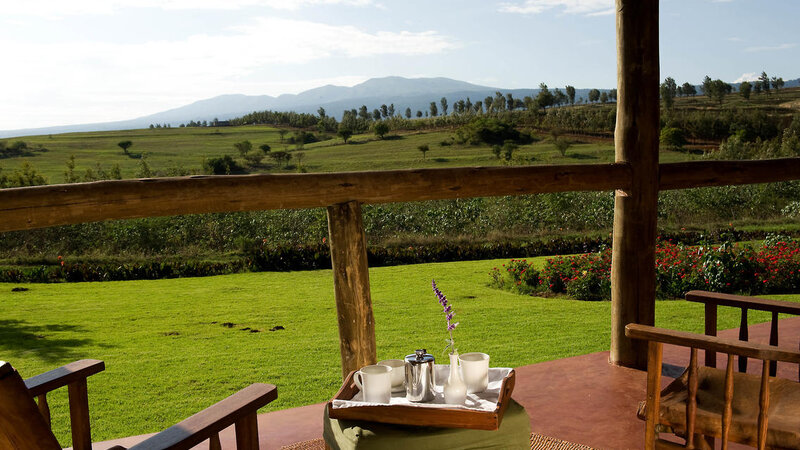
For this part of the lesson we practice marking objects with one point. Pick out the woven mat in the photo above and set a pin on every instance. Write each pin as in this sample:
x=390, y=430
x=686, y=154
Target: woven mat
x=538, y=442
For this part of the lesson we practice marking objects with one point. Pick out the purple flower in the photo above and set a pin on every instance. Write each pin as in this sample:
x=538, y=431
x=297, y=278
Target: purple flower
x=449, y=313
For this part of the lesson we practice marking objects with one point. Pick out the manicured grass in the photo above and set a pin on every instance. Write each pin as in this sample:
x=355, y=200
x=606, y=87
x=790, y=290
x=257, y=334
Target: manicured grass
x=168, y=354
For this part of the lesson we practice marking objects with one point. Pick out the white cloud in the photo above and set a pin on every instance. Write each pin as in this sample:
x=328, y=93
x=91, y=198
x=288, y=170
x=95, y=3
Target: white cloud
x=54, y=8
x=750, y=76
x=589, y=7
x=769, y=48
x=114, y=81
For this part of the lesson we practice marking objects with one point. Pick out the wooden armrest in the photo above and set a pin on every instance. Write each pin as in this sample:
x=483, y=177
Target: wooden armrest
x=56, y=378
x=713, y=343
x=212, y=420
x=741, y=301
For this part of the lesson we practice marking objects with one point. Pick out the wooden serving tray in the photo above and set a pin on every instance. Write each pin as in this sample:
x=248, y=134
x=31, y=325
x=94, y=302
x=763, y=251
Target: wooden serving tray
x=432, y=417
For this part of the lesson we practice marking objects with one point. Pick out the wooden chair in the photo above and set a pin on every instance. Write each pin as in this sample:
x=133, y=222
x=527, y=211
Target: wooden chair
x=712, y=300
x=24, y=425
x=705, y=402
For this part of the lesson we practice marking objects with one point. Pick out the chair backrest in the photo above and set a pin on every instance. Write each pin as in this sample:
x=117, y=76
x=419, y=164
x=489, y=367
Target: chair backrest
x=22, y=426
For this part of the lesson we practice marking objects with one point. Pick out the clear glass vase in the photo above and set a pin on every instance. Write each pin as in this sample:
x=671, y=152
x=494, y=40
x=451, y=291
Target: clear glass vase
x=455, y=391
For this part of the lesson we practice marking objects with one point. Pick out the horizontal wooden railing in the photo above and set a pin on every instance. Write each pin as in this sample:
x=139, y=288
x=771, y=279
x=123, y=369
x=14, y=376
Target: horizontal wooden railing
x=44, y=206
x=694, y=174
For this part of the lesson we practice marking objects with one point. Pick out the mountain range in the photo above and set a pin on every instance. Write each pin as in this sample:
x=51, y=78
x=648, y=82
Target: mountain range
x=414, y=93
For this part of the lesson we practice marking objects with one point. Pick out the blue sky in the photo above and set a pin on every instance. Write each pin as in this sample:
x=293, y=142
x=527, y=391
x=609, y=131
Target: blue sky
x=79, y=61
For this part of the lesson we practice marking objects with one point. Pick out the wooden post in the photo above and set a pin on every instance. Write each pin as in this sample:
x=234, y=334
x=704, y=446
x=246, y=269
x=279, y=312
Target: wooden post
x=351, y=285
x=635, y=209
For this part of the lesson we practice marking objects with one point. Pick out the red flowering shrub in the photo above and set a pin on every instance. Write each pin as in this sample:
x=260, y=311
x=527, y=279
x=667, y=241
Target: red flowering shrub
x=773, y=268
x=516, y=276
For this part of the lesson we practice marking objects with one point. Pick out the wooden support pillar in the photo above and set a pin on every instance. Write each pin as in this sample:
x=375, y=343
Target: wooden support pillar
x=635, y=209
x=351, y=284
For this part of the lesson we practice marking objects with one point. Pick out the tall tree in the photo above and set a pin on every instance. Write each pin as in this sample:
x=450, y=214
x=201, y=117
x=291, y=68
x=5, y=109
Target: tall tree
x=764, y=79
x=320, y=112
x=391, y=110
x=408, y=113
x=594, y=95
x=434, y=109
x=376, y=114
x=777, y=83
x=570, y=94
x=706, y=86
x=443, y=102
x=689, y=89
x=745, y=88
x=487, y=104
x=384, y=111
x=499, y=101
x=668, y=91
x=510, y=104
x=544, y=98
x=363, y=112
x=604, y=97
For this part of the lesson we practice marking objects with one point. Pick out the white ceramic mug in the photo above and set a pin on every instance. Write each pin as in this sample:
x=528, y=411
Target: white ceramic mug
x=375, y=382
x=475, y=371
x=398, y=373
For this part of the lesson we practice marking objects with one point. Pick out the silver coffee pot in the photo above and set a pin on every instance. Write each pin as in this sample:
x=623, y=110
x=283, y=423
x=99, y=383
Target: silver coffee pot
x=419, y=376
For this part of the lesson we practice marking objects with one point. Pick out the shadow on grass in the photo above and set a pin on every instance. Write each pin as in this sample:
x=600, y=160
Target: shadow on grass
x=17, y=336
x=441, y=159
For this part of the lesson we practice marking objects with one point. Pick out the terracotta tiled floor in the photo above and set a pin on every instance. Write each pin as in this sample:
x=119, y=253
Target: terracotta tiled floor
x=581, y=399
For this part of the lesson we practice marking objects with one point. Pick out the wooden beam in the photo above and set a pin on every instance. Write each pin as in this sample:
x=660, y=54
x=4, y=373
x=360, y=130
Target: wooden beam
x=44, y=206
x=351, y=286
x=691, y=174
x=635, y=209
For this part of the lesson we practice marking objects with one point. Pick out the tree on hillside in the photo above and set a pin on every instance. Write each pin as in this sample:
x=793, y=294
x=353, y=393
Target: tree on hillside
x=391, y=110
x=408, y=113
x=468, y=106
x=419, y=113
x=443, y=102
x=384, y=111
x=363, y=112
x=764, y=79
x=424, y=149
x=544, y=98
x=499, y=101
x=689, y=89
x=777, y=83
x=594, y=95
x=612, y=94
x=757, y=88
x=380, y=129
x=706, y=86
x=559, y=98
x=478, y=107
x=487, y=104
x=717, y=90
x=243, y=147
x=510, y=103
x=604, y=97
x=344, y=132
x=570, y=94
x=125, y=145
x=745, y=88
x=668, y=90
x=376, y=114
x=434, y=109
x=321, y=112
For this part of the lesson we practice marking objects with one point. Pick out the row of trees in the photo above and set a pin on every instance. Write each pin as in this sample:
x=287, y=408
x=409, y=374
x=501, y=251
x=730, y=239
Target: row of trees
x=717, y=89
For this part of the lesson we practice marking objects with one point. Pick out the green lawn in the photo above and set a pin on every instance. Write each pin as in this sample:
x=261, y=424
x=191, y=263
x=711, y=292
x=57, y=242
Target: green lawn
x=168, y=354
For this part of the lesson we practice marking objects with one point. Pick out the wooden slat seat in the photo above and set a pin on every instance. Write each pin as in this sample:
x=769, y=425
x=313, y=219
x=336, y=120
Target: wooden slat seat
x=783, y=410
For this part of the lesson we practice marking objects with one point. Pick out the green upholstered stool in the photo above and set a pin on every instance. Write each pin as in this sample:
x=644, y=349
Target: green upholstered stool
x=514, y=432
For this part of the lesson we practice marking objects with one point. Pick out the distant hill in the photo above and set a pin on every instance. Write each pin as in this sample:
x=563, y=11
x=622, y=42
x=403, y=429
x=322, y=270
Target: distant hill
x=414, y=93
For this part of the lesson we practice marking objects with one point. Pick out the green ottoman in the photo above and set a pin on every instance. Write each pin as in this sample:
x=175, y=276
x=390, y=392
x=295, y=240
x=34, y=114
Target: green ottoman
x=514, y=432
